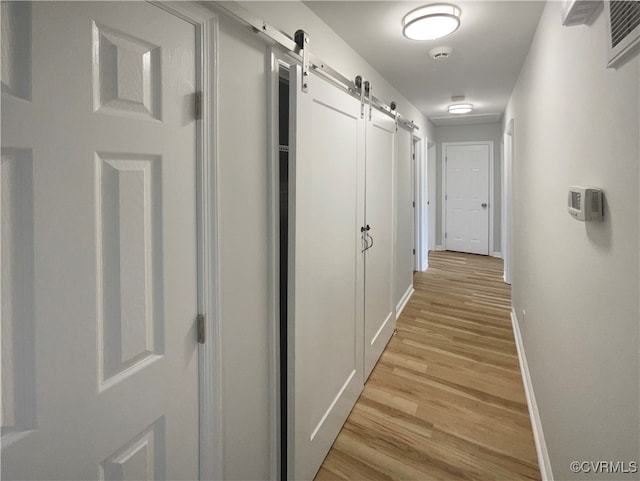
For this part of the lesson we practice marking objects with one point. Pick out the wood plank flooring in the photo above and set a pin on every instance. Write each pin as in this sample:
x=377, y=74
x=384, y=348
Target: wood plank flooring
x=446, y=399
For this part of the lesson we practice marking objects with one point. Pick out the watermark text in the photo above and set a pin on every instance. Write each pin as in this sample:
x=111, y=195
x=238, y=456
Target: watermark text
x=604, y=467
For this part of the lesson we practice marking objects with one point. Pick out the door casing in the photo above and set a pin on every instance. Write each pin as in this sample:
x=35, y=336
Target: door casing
x=209, y=354
x=507, y=200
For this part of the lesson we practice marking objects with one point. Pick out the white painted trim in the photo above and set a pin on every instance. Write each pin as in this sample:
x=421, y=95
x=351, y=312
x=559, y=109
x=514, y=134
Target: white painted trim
x=415, y=185
x=431, y=189
x=496, y=254
x=210, y=359
x=492, y=174
x=507, y=201
x=403, y=301
x=421, y=212
x=536, y=424
x=209, y=353
x=439, y=248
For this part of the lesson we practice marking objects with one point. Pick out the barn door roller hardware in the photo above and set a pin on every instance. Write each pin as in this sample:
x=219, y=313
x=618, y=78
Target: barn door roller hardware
x=367, y=91
x=395, y=114
x=291, y=45
x=360, y=91
x=302, y=42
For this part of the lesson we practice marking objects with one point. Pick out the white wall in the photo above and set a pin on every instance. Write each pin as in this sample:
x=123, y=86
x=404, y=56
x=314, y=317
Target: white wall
x=576, y=122
x=243, y=204
x=469, y=133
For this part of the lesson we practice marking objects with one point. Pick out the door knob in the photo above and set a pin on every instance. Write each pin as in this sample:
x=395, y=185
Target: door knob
x=484, y=205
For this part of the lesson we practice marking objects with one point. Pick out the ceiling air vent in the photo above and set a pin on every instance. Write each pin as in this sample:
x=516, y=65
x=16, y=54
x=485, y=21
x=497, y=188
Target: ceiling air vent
x=623, y=20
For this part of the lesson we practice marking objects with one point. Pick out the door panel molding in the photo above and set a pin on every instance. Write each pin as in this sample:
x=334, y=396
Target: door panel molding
x=443, y=180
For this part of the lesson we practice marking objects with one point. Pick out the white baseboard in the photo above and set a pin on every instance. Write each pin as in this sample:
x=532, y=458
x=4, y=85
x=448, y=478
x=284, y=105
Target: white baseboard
x=439, y=248
x=403, y=302
x=536, y=423
x=496, y=254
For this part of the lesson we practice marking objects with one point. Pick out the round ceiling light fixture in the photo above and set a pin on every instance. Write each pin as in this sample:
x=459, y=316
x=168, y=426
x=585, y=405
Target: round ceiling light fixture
x=460, y=108
x=431, y=21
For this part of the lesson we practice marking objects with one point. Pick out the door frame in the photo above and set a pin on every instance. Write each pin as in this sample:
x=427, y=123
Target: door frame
x=507, y=201
x=278, y=59
x=420, y=196
x=431, y=190
x=490, y=144
x=211, y=444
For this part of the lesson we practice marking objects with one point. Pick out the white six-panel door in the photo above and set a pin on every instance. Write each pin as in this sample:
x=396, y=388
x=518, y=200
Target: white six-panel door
x=467, y=198
x=98, y=253
x=379, y=310
x=326, y=269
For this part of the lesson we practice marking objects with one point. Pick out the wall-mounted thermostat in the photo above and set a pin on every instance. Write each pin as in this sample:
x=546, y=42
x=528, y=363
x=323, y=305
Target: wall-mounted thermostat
x=585, y=203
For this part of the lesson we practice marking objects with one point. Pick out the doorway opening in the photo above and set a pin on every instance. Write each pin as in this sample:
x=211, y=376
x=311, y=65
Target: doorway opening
x=283, y=249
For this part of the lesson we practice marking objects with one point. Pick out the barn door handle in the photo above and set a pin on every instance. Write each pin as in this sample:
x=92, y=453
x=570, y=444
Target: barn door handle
x=364, y=238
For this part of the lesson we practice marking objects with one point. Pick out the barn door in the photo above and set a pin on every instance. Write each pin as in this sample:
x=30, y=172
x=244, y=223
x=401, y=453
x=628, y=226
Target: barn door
x=325, y=269
x=98, y=252
x=379, y=321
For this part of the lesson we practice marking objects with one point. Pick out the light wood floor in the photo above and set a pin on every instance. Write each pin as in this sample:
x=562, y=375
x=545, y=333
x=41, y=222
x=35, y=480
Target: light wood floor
x=446, y=400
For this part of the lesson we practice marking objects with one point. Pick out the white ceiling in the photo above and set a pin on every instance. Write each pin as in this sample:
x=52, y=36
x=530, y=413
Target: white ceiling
x=489, y=49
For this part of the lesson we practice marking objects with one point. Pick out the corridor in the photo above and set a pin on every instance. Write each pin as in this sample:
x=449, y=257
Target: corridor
x=446, y=399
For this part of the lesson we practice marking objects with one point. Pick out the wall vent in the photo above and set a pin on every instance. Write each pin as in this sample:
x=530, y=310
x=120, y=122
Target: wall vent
x=580, y=12
x=623, y=34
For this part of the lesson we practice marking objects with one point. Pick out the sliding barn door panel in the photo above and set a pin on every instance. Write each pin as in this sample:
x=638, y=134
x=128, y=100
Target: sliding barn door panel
x=380, y=319
x=326, y=270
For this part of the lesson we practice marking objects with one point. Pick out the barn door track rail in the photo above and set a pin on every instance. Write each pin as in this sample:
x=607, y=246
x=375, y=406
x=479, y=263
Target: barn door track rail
x=298, y=46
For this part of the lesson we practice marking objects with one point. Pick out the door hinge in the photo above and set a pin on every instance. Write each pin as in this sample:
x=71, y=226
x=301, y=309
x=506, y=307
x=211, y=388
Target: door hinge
x=414, y=252
x=413, y=203
x=202, y=328
x=413, y=156
x=446, y=197
x=445, y=235
x=198, y=105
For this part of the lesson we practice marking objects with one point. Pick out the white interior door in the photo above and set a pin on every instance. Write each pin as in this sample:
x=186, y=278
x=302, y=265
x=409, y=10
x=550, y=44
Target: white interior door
x=325, y=269
x=380, y=320
x=98, y=253
x=467, y=201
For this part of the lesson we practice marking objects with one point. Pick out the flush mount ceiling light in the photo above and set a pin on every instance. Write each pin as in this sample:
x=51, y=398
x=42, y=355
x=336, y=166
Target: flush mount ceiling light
x=431, y=21
x=460, y=108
